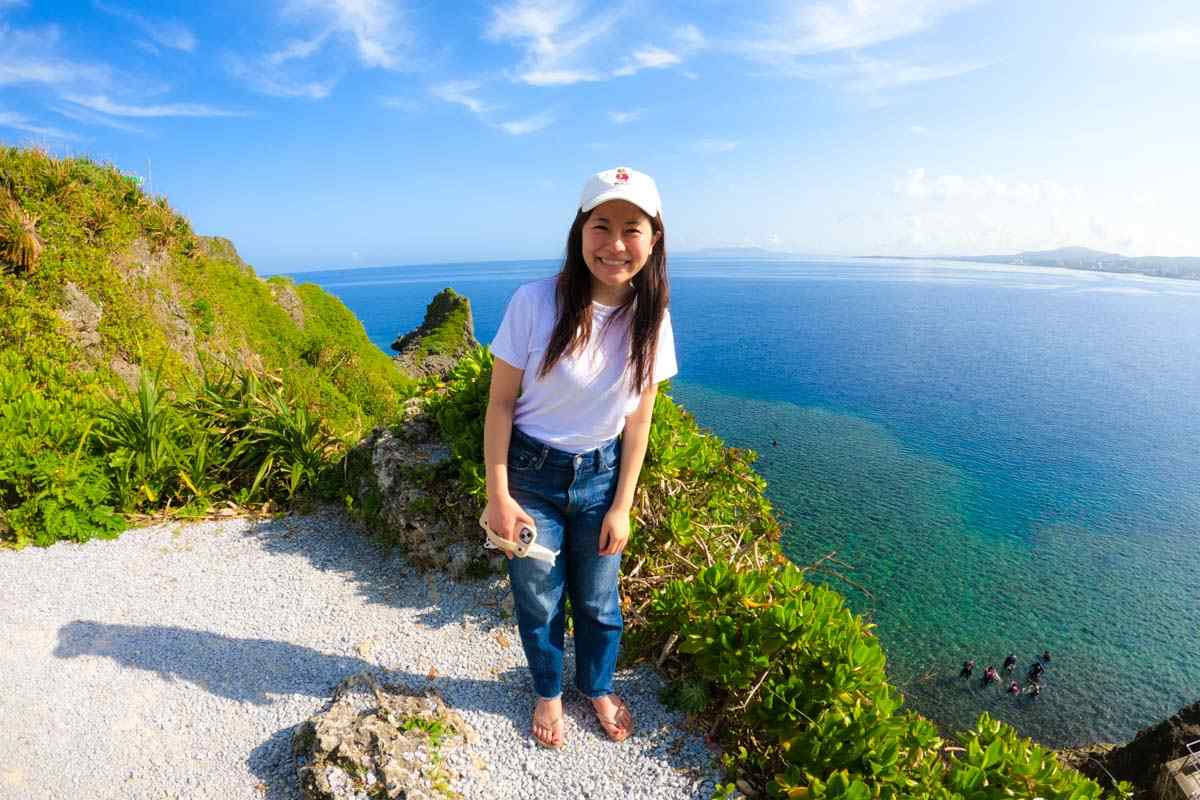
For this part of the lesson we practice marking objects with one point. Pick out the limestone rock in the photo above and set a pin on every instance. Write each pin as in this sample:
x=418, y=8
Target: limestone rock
x=289, y=301
x=377, y=740
x=447, y=333
x=141, y=260
x=82, y=315
x=408, y=499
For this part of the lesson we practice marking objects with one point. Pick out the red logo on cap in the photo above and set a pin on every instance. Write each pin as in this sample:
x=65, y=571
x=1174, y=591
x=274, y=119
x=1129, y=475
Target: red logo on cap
x=622, y=176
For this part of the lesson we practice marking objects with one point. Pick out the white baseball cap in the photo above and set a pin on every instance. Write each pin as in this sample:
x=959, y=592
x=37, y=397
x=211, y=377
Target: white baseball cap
x=621, y=183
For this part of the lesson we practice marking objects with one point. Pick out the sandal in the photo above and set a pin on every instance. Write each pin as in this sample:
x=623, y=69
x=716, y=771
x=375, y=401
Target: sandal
x=619, y=726
x=557, y=730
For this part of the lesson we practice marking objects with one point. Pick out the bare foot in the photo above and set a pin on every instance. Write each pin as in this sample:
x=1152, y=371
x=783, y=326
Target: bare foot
x=548, y=722
x=614, y=716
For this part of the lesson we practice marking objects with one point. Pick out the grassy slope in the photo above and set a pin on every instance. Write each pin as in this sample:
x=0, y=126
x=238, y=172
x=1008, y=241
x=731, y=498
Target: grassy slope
x=155, y=281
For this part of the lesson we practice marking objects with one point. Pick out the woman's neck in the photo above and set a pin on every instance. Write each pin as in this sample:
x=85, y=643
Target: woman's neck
x=610, y=295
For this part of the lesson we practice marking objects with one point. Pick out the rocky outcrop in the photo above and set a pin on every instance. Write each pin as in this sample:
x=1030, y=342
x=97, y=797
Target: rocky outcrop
x=82, y=316
x=285, y=294
x=1143, y=760
x=220, y=248
x=446, y=334
x=407, y=492
x=377, y=740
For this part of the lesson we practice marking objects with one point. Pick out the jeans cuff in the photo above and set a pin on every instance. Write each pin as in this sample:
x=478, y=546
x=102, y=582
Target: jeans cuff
x=556, y=697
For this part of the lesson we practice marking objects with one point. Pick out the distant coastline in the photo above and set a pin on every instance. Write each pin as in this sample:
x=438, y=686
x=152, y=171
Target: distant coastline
x=1080, y=258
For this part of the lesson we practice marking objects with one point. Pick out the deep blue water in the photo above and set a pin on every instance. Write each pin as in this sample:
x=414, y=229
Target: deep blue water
x=1003, y=458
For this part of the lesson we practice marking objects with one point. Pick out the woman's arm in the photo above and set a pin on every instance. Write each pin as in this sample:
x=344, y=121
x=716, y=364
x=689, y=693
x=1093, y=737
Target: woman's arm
x=614, y=533
x=505, y=515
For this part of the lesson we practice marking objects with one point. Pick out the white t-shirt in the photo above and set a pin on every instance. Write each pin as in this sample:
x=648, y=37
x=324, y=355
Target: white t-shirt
x=583, y=401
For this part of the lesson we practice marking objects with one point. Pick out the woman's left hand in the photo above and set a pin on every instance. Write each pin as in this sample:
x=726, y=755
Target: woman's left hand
x=614, y=532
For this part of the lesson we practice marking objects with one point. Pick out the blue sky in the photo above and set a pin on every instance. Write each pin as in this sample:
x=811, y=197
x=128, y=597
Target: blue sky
x=341, y=133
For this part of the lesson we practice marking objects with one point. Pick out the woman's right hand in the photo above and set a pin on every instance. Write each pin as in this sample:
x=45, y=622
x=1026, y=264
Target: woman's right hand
x=506, y=517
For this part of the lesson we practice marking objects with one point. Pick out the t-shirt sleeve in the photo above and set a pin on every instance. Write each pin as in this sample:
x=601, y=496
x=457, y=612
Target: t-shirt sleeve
x=664, y=359
x=511, y=342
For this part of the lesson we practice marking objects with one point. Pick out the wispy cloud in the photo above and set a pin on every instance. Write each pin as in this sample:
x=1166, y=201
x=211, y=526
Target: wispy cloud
x=825, y=41
x=265, y=79
x=32, y=56
x=460, y=93
x=826, y=27
x=19, y=122
x=690, y=37
x=873, y=74
x=918, y=130
x=624, y=117
x=104, y=105
x=1183, y=43
x=167, y=33
x=566, y=42
x=91, y=118
x=376, y=28
x=648, y=58
x=309, y=66
x=714, y=146
x=298, y=49
x=520, y=127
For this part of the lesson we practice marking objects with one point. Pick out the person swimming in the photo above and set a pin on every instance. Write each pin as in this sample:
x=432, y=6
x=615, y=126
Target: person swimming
x=1010, y=662
x=990, y=675
x=1036, y=670
x=1014, y=688
x=967, y=668
x=1045, y=655
x=1035, y=689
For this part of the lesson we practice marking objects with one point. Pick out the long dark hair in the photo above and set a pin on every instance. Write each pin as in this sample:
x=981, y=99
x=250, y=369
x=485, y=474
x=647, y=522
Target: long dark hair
x=648, y=301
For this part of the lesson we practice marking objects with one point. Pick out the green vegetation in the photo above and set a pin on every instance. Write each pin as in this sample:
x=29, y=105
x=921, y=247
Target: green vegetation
x=146, y=369
x=792, y=682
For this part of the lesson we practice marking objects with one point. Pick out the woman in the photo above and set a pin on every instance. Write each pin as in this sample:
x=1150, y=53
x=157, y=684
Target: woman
x=578, y=361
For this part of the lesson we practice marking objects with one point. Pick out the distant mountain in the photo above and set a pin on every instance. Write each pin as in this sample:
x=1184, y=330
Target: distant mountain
x=1095, y=260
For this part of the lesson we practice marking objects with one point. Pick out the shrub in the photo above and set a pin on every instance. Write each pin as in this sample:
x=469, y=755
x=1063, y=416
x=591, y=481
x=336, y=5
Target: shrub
x=20, y=245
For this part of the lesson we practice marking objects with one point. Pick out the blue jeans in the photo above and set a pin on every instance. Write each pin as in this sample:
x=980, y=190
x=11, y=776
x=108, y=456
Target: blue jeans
x=567, y=495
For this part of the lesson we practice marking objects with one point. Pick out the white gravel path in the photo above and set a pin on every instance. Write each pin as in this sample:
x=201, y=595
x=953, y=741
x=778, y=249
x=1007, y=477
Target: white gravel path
x=177, y=660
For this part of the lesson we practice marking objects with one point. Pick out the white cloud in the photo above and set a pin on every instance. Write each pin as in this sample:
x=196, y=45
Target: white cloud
x=460, y=93
x=298, y=49
x=951, y=214
x=918, y=130
x=788, y=43
x=714, y=146
x=167, y=33
x=401, y=104
x=90, y=118
x=19, y=122
x=872, y=75
x=648, y=58
x=104, y=105
x=31, y=56
x=826, y=27
x=624, y=117
x=1182, y=43
x=375, y=27
x=564, y=42
x=690, y=37
x=520, y=127
x=375, y=30
x=264, y=78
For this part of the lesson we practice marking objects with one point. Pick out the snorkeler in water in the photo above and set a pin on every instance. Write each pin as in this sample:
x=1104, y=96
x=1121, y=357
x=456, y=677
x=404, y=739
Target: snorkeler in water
x=1014, y=688
x=1010, y=662
x=967, y=668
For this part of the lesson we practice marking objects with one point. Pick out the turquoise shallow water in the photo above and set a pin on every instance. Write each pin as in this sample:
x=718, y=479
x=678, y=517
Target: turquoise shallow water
x=1006, y=459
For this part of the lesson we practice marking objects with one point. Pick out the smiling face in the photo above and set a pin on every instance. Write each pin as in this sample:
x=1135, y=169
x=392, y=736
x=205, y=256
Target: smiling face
x=617, y=241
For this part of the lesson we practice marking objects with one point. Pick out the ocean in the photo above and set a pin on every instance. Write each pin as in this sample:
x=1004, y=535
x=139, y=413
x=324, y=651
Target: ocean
x=1002, y=458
